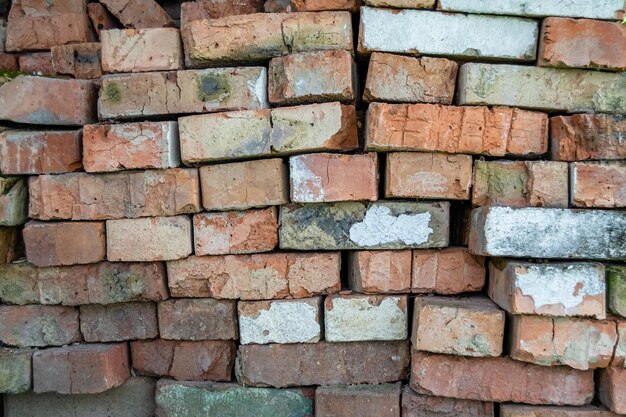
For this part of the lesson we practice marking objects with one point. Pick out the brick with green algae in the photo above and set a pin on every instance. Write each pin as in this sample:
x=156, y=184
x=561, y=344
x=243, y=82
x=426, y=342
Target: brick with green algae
x=616, y=282
x=15, y=370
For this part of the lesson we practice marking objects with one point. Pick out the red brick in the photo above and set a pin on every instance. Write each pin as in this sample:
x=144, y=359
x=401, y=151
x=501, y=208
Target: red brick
x=149, y=239
x=344, y=363
x=519, y=410
x=473, y=379
x=13, y=201
x=582, y=43
x=39, y=326
x=131, y=50
x=215, y=9
x=362, y=401
x=101, y=18
x=235, y=232
x=379, y=272
x=9, y=62
x=187, y=361
x=37, y=63
x=447, y=271
x=588, y=136
x=48, y=101
x=257, y=183
x=418, y=405
x=310, y=77
x=289, y=6
x=611, y=392
x=598, y=184
x=118, y=322
x=198, y=319
x=138, y=14
x=40, y=152
x=64, y=243
x=398, y=79
x=327, y=177
x=83, y=369
x=80, y=60
x=428, y=176
x=496, y=131
x=255, y=277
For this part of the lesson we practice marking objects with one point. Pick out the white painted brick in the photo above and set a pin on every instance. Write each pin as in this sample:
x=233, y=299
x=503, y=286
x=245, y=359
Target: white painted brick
x=548, y=233
x=351, y=318
x=459, y=35
x=280, y=321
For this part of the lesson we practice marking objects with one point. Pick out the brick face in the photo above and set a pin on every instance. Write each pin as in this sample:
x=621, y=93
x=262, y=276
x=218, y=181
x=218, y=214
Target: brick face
x=587, y=136
x=118, y=322
x=598, y=184
x=198, y=319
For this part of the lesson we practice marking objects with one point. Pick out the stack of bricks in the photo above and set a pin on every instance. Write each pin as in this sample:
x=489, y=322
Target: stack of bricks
x=313, y=207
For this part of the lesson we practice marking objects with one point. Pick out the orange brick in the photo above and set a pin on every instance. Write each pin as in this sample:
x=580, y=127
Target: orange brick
x=64, y=243
x=326, y=177
x=496, y=131
x=80, y=60
x=379, y=272
x=215, y=9
x=611, y=389
x=277, y=6
x=588, y=136
x=38, y=326
x=360, y=400
x=428, y=176
x=419, y=405
x=138, y=14
x=582, y=43
x=235, y=232
x=101, y=18
x=598, y=184
x=447, y=271
x=40, y=152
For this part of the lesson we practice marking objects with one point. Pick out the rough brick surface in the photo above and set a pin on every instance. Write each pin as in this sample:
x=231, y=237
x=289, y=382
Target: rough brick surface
x=447, y=271
x=494, y=131
x=84, y=369
x=598, y=184
x=517, y=410
x=190, y=361
x=81, y=60
x=13, y=201
x=198, y=319
x=345, y=363
x=402, y=79
x=37, y=63
x=472, y=378
x=588, y=136
x=214, y=9
x=373, y=272
x=138, y=14
x=601, y=9
x=255, y=277
x=409, y=4
x=101, y=18
x=118, y=322
x=39, y=326
x=64, y=243
x=611, y=389
x=419, y=405
x=15, y=370
x=616, y=286
x=363, y=401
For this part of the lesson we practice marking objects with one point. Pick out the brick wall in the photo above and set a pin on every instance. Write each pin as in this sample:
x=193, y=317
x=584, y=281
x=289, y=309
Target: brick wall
x=296, y=208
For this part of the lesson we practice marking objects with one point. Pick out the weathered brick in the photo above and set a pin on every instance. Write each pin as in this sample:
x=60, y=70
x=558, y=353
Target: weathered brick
x=384, y=225
x=64, y=243
x=13, y=200
x=255, y=277
x=82, y=196
x=15, y=370
x=518, y=410
x=582, y=43
x=375, y=272
x=260, y=36
x=548, y=233
x=192, y=361
x=549, y=341
x=180, y=399
x=257, y=183
x=40, y=326
x=198, y=319
x=593, y=9
x=118, y=322
x=273, y=6
x=310, y=77
x=409, y=4
x=616, y=289
x=611, y=393
x=135, y=398
x=37, y=63
x=215, y=9
x=138, y=14
x=235, y=232
x=549, y=89
x=494, y=131
x=360, y=400
x=24, y=152
x=10, y=244
x=419, y=405
x=351, y=318
x=553, y=289
x=48, y=101
x=8, y=62
x=131, y=50
x=588, y=136
x=141, y=145
x=598, y=184
x=520, y=183
x=327, y=177
x=344, y=363
x=101, y=18
x=428, y=176
x=473, y=379
x=80, y=60
x=280, y=321
x=127, y=96
x=398, y=79
x=149, y=239
x=447, y=271
x=472, y=326
x=385, y=30
x=82, y=369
